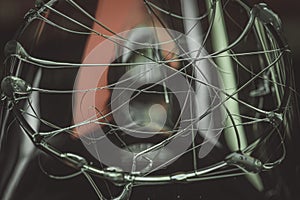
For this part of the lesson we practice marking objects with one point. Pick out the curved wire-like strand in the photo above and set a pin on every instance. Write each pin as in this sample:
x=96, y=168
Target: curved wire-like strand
x=262, y=116
x=173, y=14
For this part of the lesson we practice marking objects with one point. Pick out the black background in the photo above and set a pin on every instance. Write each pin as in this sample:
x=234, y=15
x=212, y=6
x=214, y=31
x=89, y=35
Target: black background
x=12, y=12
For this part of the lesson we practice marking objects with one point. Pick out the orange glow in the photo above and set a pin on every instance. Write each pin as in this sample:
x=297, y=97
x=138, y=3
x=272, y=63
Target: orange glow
x=119, y=16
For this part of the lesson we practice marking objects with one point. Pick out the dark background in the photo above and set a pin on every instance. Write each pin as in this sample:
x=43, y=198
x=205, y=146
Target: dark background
x=12, y=12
